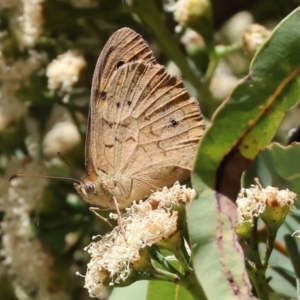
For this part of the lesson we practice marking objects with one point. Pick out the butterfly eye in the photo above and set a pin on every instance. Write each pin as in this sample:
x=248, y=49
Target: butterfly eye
x=89, y=187
x=120, y=63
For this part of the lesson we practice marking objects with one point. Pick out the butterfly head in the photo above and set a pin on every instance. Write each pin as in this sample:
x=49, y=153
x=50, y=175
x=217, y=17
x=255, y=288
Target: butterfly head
x=84, y=189
x=100, y=189
x=89, y=192
x=94, y=191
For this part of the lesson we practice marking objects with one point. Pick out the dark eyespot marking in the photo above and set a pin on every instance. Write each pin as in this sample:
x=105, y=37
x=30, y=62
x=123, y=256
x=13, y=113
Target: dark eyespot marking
x=118, y=104
x=108, y=146
x=129, y=103
x=103, y=96
x=174, y=122
x=120, y=63
x=103, y=171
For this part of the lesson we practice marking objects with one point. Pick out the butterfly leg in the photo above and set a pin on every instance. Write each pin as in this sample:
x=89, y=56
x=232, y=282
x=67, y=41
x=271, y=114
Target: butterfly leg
x=119, y=216
x=93, y=209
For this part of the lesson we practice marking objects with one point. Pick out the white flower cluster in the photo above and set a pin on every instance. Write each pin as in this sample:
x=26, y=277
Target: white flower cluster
x=63, y=72
x=26, y=24
x=63, y=135
x=25, y=258
x=175, y=194
x=31, y=22
x=26, y=21
x=145, y=223
x=252, y=202
x=13, y=77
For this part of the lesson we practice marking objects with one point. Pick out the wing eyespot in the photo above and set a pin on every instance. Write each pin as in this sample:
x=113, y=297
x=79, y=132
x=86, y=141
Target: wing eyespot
x=129, y=103
x=103, y=95
x=120, y=63
x=174, y=122
x=118, y=104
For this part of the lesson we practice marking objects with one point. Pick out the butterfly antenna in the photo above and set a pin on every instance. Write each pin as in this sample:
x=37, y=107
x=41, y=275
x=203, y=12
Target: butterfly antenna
x=67, y=163
x=49, y=176
x=19, y=175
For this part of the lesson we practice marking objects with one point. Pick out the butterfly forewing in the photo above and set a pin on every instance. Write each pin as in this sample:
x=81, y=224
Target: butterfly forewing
x=143, y=126
x=124, y=46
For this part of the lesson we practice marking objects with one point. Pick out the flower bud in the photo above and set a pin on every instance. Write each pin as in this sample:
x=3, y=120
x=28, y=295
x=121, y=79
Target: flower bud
x=270, y=204
x=244, y=230
x=196, y=14
x=187, y=12
x=253, y=37
x=279, y=203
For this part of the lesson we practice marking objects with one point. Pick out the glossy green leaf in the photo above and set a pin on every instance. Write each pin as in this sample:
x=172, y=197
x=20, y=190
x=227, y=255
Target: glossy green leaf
x=293, y=249
x=151, y=290
x=241, y=128
x=135, y=291
x=159, y=290
x=216, y=252
x=247, y=121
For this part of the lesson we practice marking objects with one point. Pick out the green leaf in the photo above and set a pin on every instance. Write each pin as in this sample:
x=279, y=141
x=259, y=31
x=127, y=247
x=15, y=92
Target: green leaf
x=151, y=290
x=159, y=290
x=247, y=121
x=294, y=254
x=216, y=252
x=240, y=129
x=135, y=291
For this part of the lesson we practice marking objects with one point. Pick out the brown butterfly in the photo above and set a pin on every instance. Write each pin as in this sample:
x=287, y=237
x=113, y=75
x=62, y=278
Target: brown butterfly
x=143, y=127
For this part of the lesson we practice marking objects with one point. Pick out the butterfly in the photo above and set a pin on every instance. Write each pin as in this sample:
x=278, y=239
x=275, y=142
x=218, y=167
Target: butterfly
x=143, y=126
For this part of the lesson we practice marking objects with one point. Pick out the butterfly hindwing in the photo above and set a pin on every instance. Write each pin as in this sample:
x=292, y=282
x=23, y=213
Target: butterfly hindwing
x=152, y=128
